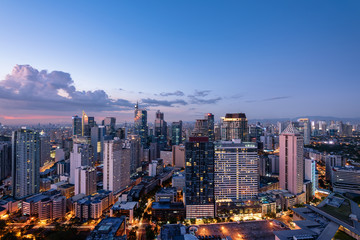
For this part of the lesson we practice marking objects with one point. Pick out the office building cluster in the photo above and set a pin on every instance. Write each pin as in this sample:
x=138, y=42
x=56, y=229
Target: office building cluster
x=201, y=170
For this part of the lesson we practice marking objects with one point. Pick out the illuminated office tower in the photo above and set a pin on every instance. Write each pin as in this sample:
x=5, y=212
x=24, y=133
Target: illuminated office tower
x=291, y=161
x=199, y=178
x=116, y=172
x=86, y=124
x=140, y=125
x=160, y=130
x=25, y=163
x=234, y=126
x=77, y=125
x=176, y=133
x=236, y=171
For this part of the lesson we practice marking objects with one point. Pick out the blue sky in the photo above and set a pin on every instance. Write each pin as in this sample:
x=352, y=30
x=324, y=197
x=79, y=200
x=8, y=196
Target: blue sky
x=269, y=59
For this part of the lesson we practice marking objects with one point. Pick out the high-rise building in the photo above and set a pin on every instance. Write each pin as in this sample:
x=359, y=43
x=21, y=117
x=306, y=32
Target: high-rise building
x=25, y=163
x=211, y=130
x=309, y=174
x=45, y=149
x=178, y=152
x=109, y=123
x=5, y=160
x=234, y=126
x=199, y=178
x=97, y=142
x=81, y=155
x=140, y=125
x=86, y=124
x=346, y=179
x=85, y=180
x=77, y=125
x=205, y=127
x=160, y=131
x=306, y=129
x=236, y=171
x=116, y=172
x=291, y=162
x=333, y=161
x=176, y=133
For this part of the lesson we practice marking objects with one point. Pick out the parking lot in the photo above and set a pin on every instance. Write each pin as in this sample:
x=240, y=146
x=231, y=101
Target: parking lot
x=242, y=230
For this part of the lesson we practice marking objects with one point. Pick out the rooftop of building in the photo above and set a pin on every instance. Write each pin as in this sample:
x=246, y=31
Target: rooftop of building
x=36, y=198
x=235, y=143
x=347, y=169
x=167, y=190
x=124, y=205
x=107, y=229
x=235, y=115
x=67, y=185
x=325, y=219
x=170, y=231
x=167, y=205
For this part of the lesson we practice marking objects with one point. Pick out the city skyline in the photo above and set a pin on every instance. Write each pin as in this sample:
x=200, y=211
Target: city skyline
x=183, y=59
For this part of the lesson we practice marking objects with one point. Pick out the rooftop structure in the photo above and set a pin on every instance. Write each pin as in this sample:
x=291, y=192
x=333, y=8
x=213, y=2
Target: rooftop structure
x=109, y=228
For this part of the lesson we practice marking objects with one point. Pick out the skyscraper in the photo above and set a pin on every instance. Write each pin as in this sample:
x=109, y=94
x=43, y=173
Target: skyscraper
x=236, y=171
x=25, y=163
x=199, y=178
x=160, y=130
x=291, y=162
x=86, y=124
x=77, y=125
x=85, y=180
x=116, y=173
x=176, y=133
x=210, y=120
x=133, y=143
x=97, y=142
x=234, y=126
x=45, y=149
x=109, y=123
x=205, y=127
x=81, y=155
x=306, y=127
x=5, y=160
x=140, y=125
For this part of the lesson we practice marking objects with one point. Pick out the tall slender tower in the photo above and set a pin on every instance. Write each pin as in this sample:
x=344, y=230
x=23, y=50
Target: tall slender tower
x=140, y=124
x=116, y=174
x=161, y=130
x=77, y=125
x=25, y=163
x=291, y=162
x=84, y=122
x=199, y=178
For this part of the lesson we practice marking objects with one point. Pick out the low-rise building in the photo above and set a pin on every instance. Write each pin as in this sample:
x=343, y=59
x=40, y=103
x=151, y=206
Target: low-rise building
x=164, y=211
x=166, y=195
x=92, y=206
x=109, y=228
x=124, y=209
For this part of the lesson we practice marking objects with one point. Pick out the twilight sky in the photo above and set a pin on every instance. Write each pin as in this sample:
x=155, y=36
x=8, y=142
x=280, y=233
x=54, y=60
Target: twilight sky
x=269, y=59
